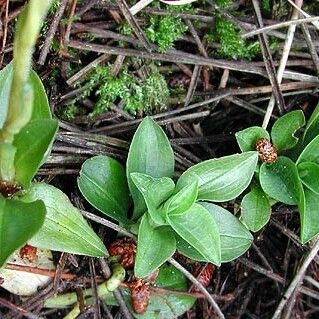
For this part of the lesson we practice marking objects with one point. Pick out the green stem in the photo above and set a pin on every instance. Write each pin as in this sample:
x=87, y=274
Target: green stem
x=103, y=290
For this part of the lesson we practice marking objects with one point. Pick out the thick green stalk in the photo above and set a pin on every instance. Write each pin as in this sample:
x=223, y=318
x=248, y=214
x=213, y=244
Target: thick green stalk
x=21, y=95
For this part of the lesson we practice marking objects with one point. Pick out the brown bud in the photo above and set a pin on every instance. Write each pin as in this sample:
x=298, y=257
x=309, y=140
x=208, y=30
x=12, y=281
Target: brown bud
x=140, y=295
x=205, y=276
x=29, y=253
x=125, y=248
x=8, y=189
x=266, y=151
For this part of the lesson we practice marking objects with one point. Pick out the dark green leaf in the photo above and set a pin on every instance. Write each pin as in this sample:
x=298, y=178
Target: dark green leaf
x=309, y=212
x=312, y=127
x=64, y=228
x=102, y=182
x=221, y=179
x=150, y=153
x=154, y=247
x=41, y=108
x=255, y=209
x=5, y=87
x=155, y=191
x=280, y=181
x=187, y=250
x=247, y=138
x=283, y=130
x=18, y=222
x=309, y=175
x=310, y=152
x=32, y=143
x=235, y=239
x=182, y=200
x=199, y=229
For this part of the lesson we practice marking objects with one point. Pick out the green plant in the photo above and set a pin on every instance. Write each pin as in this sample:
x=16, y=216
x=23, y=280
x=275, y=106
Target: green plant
x=171, y=216
x=148, y=95
x=291, y=177
x=35, y=212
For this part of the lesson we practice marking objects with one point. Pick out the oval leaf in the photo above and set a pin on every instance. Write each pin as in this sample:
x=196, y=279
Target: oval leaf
x=154, y=247
x=5, y=87
x=309, y=175
x=64, y=228
x=221, y=179
x=283, y=130
x=18, y=222
x=102, y=182
x=150, y=153
x=247, y=138
x=311, y=152
x=197, y=227
x=255, y=209
x=280, y=181
x=32, y=143
x=235, y=239
x=309, y=212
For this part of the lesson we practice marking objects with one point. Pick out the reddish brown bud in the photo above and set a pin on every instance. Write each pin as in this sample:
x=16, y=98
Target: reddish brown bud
x=205, y=276
x=266, y=151
x=125, y=249
x=8, y=189
x=140, y=295
x=29, y=253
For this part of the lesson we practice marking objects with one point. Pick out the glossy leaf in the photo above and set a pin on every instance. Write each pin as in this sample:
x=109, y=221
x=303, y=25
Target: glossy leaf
x=283, y=130
x=221, y=179
x=155, y=191
x=64, y=228
x=5, y=86
x=197, y=227
x=309, y=175
x=41, y=108
x=248, y=137
x=255, y=209
x=32, y=142
x=235, y=239
x=102, y=182
x=154, y=247
x=182, y=200
x=18, y=222
x=150, y=153
x=309, y=212
x=280, y=181
x=310, y=152
x=312, y=127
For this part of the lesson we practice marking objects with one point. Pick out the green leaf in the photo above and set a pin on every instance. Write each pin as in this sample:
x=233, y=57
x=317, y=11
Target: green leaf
x=312, y=127
x=199, y=229
x=64, y=228
x=103, y=184
x=309, y=212
x=18, y=222
x=247, y=138
x=283, y=130
x=41, y=108
x=5, y=87
x=150, y=153
x=155, y=191
x=221, y=179
x=182, y=200
x=280, y=181
x=310, y=152
x=235, y=239
x=255, y=209
x=187, y=250
x=154, y=247
x=309, y=175
x=32, y=143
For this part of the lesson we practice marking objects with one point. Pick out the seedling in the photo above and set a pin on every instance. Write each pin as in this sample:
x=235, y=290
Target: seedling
x=288, y=172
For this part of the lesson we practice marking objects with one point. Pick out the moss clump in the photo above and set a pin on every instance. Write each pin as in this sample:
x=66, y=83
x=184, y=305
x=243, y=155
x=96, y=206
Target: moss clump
x=68, y=112
x=223, y=3
x=148, y=95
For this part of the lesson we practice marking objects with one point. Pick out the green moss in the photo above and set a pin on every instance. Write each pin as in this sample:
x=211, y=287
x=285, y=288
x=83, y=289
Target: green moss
x=68, y=112
x=149, y=95
x=125, y=29
x=223, y=3
x=266, y=7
